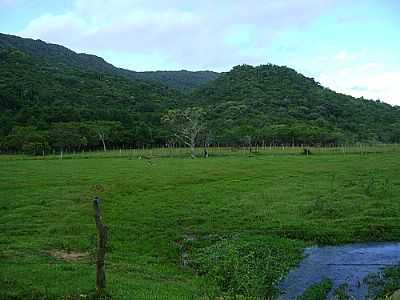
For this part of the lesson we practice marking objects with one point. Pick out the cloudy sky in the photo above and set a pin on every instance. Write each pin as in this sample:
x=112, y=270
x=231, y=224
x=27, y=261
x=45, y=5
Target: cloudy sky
x=350, y=46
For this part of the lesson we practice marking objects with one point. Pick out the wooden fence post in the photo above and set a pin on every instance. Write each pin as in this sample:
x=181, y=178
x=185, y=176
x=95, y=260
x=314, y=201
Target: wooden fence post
x=101, y=247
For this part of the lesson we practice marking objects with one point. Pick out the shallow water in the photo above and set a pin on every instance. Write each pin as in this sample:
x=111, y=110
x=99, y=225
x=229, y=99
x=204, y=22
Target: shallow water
x=341, y=264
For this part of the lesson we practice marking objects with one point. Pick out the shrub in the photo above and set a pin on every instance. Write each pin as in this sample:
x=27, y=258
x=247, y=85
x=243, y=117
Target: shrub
x=250, y=267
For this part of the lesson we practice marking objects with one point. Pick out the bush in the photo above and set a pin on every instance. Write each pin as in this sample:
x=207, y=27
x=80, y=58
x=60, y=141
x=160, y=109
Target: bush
x=250, y=267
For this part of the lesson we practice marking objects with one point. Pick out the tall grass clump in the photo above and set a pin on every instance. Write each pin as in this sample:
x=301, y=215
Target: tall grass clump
x=250, y=267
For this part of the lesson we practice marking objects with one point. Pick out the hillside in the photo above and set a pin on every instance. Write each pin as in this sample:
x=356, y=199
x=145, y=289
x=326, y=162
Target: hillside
x=276, y=104
x=183, y=80
x=64, y=107
x=61, y=56
x=54, y=101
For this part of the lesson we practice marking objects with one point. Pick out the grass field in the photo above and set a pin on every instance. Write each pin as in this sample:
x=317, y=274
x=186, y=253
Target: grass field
x=186, y=228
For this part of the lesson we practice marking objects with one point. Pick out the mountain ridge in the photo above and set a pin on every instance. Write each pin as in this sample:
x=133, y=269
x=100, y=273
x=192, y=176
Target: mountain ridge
x=182, y=80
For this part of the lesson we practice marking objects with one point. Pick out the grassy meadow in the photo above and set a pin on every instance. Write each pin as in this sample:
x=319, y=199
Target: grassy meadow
x=181, y=228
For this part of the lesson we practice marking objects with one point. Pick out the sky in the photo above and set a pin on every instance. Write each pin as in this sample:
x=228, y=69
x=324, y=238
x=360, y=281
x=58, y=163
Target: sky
x=350, y=46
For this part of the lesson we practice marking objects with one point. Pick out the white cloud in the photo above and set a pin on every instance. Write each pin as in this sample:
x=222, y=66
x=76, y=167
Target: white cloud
x=345, y=57
x=358, y=73
x=64, y=29
x=370, y=81
x=192, y=34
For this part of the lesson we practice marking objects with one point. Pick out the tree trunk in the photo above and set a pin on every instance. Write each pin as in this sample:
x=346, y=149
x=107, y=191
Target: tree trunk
x=205, y=150
x=192, y=151
x=102, y=138
x=192, y=147
x=101, y=248
x=104, y=145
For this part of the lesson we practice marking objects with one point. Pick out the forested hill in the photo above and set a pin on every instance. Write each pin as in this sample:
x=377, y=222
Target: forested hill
x=273, y=103
x=57, y=55
x=57, y=101
x=61, y=107
x=184, y=81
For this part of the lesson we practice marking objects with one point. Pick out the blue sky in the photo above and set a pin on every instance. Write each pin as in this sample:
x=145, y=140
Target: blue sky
x=350, y=46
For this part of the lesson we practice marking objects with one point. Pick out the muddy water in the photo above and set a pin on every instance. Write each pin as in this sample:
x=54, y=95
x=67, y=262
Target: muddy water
x=341, y=264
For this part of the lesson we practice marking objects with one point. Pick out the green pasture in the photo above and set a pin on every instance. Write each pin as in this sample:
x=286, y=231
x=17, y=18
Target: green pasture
x=180, y=228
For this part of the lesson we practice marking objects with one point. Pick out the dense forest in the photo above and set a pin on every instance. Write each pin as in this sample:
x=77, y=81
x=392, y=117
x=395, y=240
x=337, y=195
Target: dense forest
x=43, y=106
x=53, y=99
x=278, y=105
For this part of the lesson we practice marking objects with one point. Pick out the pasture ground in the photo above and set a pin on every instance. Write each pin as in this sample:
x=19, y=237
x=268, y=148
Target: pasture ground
x=185, y=228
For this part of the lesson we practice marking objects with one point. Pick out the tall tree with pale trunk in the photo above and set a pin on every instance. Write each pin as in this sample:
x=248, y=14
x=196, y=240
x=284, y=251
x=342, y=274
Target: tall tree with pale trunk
x=186, y=125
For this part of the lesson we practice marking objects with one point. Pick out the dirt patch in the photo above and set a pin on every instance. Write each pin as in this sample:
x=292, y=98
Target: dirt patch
x=70, y=255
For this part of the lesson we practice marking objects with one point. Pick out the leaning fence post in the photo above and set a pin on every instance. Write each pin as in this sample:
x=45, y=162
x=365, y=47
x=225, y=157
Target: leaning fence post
x=101, y=247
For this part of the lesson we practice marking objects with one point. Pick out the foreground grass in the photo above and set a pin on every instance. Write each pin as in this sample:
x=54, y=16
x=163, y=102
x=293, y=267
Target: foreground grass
x=207, y=209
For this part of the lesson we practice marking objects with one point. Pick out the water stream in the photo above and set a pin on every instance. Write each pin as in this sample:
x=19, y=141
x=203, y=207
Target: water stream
x=341, y=264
